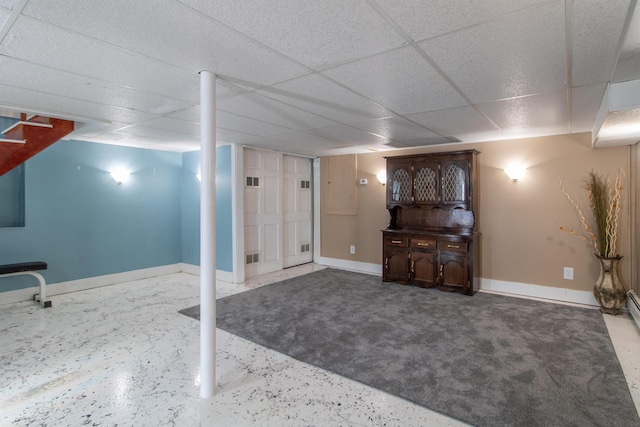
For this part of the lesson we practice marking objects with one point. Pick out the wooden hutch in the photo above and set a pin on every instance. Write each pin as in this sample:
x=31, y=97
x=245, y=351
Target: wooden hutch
x=432, y=238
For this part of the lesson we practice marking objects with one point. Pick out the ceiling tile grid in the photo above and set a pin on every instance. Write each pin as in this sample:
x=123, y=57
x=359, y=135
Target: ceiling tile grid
x=521, y=53
x=21, y=74
x=177, y=35
x=41, y=43
x=456, y=122
x=318, y=34
x=261, y=108
x=395, y=128
x=422, y=20
x=316, y=77
x=401, y=80
x=317, y=94
x=597, y=28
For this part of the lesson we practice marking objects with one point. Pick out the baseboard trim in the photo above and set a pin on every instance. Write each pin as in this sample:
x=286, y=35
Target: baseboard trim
x=53, y=289
x=225, y=276
x=537, y=291
x=191, y=269
x=363, y=267
x=486, y=285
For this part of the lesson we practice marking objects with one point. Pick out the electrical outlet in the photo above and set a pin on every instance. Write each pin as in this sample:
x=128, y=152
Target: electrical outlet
x=352, y=249
x=568, y=273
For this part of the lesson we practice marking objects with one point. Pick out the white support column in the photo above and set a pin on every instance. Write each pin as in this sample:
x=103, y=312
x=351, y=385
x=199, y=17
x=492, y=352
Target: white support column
x=207, y=234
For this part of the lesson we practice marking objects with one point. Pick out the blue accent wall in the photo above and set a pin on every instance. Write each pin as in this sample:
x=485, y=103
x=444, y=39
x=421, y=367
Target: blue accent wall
x=83, y=224
x=11, y=188
x=224, y=217
x=191, y=209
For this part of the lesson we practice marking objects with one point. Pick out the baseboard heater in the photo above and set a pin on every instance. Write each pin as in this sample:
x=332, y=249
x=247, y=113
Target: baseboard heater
x=633, y=304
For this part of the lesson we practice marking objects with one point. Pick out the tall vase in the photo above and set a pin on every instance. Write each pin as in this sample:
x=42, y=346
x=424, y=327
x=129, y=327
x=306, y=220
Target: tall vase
x=609, y=290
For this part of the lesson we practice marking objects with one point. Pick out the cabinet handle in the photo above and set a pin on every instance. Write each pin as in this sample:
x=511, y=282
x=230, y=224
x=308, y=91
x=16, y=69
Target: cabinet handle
x=395, y=242
x=453, y=246
x=386, y=263
x=441, y=267
x=422, y=244
x=413, y=269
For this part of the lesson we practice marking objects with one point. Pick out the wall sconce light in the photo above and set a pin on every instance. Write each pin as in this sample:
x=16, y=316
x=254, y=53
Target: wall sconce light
x=515, y=172
x=120, y=175
x=382, y=177
x=199, y=176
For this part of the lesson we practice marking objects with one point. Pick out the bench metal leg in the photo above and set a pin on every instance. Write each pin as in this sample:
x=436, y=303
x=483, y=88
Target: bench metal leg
x=40, y=297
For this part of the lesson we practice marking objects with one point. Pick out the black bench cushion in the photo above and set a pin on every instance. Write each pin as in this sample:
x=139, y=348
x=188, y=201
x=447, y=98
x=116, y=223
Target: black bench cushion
x=22, y=266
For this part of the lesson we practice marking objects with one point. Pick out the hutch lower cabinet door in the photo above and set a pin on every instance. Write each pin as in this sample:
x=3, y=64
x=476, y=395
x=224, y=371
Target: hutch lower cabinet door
x=396, y=265
x=424, y=268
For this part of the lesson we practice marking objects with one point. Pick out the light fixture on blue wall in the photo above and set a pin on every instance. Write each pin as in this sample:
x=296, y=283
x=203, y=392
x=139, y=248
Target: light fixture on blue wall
x=120, y=175
x=199, y=176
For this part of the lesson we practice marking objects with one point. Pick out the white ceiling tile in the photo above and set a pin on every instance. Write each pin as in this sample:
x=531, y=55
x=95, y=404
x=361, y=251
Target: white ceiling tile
x=175, y=125
x=422, y=19
x=454, y=122
x=238, y=123
x=160, y=134
x=628, y=69
x=147, y=143
x=585, y=105
x=232, y=136
x=542, y=113
x=349, y=135
x=317, y=34
x=305, y=138
x=177, y=34
x=41, y=43
x=4, y=15
x=36, y=102
x=597, y=30
x=521, y=55
x=189, y=114
x=285, y=147
x=129, y=70
x=321, y=96
x=400, y=80
x=427, y=141
x=94, y=129
x=395, y=128
x=23, y=74
x=265, y=109
x=351, y=150
x=226, y=89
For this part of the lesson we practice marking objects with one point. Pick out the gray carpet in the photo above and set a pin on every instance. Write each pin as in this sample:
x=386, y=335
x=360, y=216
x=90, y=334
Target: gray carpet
x=488, y=360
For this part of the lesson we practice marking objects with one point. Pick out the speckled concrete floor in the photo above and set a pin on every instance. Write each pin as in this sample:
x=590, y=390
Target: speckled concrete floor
x=123, y=355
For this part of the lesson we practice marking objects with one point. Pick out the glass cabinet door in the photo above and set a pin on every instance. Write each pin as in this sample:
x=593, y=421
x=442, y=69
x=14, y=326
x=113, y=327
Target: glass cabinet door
x=454, y=183
x=426, y=183
x=400, y=186
x=399, y=182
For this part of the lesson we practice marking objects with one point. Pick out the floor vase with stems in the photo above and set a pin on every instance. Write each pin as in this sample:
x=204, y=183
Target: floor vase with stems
x=609, y=290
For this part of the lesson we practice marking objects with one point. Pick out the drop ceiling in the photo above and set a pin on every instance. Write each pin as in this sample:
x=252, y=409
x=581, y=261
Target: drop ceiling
x=316, y=77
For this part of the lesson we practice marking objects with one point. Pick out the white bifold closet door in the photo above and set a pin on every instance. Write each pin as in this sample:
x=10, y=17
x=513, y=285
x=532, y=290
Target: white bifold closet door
x=298, y=224
x=277, y=211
